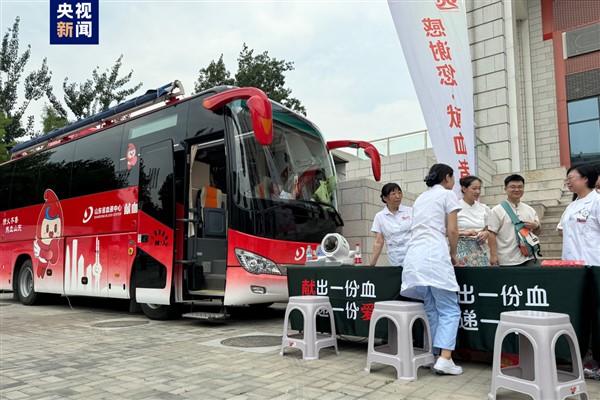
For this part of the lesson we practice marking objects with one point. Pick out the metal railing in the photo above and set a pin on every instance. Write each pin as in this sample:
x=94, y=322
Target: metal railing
x=407, y=142
x=399, y=144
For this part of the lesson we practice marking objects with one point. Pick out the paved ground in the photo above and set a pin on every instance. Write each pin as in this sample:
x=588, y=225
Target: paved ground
x=93, y=349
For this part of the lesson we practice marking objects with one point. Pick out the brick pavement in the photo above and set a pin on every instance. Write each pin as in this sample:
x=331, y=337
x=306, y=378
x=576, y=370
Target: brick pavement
x=87, y=351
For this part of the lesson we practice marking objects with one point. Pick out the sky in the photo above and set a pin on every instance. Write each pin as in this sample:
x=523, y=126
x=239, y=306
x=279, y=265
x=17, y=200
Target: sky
x=350, y=73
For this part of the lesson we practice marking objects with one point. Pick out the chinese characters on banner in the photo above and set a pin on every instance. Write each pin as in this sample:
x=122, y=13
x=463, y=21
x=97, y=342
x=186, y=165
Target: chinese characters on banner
x=359, y=299
x=511, y=297
x=433, y=35
x=364, y=292
x=74, y=22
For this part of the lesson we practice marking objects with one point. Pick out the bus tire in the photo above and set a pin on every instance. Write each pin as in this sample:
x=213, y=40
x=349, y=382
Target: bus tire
x=162, y=312
x=27, y=294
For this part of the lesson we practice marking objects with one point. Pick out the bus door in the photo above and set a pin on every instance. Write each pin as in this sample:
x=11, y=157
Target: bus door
x=207, y=244
x=153, y=267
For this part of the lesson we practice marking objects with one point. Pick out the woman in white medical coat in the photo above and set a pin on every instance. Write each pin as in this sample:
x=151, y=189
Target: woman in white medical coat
x=428, y=272
x=581, y=220
x=391, y=226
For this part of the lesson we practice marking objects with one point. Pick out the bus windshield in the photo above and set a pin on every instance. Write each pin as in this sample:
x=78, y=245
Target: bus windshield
x=294, y=167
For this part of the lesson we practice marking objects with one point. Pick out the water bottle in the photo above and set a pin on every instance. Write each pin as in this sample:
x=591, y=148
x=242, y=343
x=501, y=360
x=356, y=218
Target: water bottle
x=357, y=255
x=309, y=253
x=319, y=252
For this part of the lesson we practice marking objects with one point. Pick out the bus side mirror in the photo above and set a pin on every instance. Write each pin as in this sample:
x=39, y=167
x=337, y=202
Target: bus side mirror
x=262, y=119
x=373, y=154
x=259, y=105
x=370, y=151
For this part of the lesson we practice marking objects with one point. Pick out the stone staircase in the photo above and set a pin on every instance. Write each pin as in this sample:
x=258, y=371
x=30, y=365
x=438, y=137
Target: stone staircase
x=545, y=191
x=551, y=241
x=542, y=187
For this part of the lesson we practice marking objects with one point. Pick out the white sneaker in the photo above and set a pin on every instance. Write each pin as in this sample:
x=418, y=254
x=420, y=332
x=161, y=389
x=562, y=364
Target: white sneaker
x=446, y=367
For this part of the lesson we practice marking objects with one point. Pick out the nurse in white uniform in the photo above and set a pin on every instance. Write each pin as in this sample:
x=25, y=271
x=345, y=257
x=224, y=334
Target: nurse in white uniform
x=428, y=272
x=581, y=220
x=391, y=226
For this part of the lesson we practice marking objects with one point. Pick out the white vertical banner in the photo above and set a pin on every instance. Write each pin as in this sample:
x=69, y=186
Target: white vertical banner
x=433, y=35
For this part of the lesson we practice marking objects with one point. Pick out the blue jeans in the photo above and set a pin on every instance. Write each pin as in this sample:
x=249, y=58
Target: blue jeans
x=443, y=314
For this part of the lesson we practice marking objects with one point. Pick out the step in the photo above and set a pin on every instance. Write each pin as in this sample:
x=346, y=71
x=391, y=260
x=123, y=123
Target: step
x=549, y=224
x=547, y=197
x=549, y=231
x=551, y=239
x=547, y=247
x=207, y=293
x=530, y=186
x=557, y=255
x=567, y=197
x=205, y=315
x=550, y=220
x=491, y=202
x=557, y=209
x=553, y=214
x=549, y=256
x=534, y=175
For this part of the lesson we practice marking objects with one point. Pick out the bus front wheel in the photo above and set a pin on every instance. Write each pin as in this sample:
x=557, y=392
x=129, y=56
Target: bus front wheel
x=25, y=288
x=162, y=312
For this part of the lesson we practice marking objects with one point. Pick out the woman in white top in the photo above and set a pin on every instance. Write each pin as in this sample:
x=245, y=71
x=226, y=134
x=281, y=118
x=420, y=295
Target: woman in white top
x=581, y=220
x=392, y=226
x=472, y=225
x=428, y=272
x=559, y=227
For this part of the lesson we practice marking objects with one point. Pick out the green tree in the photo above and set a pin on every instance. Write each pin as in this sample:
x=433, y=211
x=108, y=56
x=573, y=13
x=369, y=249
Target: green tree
x=3, y=152
x=35, y=86
x=98, y=93
x=260, y=71
x=214, y=75
x=52, y=119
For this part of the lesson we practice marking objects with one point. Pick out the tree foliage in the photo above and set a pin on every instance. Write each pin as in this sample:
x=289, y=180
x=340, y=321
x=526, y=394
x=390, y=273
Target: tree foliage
x=214, y=75
x=35, y=86
x=260, y=71
x=98, y=93
x=3, y=152
x=52, y=119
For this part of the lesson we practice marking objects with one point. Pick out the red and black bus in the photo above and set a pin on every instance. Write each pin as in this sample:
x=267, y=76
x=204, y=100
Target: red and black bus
x=167, y=200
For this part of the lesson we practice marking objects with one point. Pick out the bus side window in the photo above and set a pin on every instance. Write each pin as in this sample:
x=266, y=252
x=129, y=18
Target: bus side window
x=162, y=124
x=24, y=181
x=95, y=166
x=201, y=122
x=6, y=172
x=55, y=171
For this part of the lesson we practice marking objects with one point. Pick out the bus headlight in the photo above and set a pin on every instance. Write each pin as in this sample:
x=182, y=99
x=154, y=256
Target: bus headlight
x=256, y=264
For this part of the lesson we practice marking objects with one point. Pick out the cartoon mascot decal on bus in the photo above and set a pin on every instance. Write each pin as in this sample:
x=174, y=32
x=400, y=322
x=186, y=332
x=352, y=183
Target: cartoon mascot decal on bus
x=131, y=156
x=49, y=230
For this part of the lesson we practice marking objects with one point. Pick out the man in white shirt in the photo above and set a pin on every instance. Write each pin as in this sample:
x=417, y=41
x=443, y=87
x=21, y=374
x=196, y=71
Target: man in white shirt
x=504, y=248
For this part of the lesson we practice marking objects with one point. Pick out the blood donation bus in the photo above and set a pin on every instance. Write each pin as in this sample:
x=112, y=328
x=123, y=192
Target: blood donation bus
x=167, y=200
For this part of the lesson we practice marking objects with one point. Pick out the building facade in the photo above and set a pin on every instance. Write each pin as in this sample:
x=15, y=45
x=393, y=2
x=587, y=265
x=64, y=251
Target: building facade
x=536, y=71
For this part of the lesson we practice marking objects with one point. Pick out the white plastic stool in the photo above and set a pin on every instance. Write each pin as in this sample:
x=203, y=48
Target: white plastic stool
x=536, y=374
x=312, y=342
x=399, y=351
